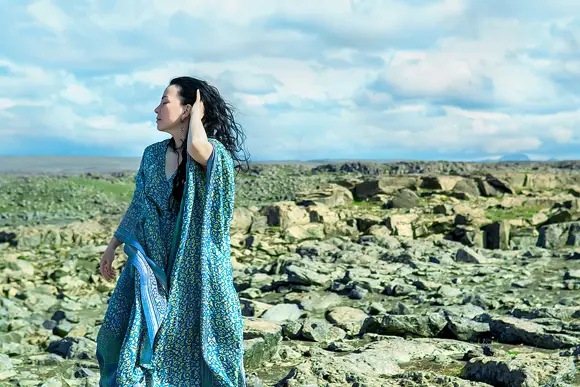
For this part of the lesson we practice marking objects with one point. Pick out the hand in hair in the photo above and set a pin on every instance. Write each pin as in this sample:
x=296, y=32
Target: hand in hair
x=198, y=109
x=197, y=144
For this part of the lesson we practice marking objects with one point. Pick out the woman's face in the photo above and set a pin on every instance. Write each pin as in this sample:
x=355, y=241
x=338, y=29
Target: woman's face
x=170, y=112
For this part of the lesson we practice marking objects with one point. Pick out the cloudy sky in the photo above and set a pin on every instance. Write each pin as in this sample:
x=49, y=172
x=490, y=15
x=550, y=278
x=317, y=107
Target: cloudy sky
x=388, y=79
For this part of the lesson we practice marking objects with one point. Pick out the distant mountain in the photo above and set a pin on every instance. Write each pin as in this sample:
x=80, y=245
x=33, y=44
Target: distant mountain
x=515, y=157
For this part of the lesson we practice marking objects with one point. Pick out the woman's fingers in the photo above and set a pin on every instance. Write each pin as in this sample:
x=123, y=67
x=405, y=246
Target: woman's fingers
x=198, y=109
x=102, y=268
x=110, y=272
x=106, y=269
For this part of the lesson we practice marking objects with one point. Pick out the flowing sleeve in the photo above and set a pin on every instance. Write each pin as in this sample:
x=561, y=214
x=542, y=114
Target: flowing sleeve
x=220, y=180
x=134, y=213
x=221, y=317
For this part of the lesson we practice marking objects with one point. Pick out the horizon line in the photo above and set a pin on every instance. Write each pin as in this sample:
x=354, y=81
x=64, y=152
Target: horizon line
x=322, y=160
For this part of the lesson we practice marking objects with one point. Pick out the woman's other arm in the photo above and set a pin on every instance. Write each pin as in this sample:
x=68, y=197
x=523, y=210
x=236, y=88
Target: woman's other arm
x=128, y=223
x=198, y=146
x=114, y=243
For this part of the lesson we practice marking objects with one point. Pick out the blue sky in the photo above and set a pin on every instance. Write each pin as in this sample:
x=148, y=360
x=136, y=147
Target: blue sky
x=362, y=79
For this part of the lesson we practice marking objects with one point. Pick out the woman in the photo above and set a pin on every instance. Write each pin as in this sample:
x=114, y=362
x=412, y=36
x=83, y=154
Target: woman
x=174, y=317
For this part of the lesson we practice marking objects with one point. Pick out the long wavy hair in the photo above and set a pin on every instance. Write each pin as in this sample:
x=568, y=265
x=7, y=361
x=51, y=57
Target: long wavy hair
x=219, y=123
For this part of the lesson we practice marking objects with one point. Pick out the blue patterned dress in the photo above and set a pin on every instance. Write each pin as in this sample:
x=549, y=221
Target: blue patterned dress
x=174, y=318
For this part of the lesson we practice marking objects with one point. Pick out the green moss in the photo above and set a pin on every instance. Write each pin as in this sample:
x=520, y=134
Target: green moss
x=49, y=197
x=365, y=204
x=523, y=212
x=123, y=191
x=242, y=177
x=452, y=371
x=4, y=208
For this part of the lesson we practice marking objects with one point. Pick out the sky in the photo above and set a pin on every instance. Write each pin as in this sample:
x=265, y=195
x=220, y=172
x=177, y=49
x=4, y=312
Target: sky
x=324, y=79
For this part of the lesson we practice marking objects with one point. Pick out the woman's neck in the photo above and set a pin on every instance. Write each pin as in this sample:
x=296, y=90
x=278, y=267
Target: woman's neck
x=177, y=138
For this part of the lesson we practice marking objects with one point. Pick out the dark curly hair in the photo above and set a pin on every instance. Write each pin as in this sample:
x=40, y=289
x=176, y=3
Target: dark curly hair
x=219, y=123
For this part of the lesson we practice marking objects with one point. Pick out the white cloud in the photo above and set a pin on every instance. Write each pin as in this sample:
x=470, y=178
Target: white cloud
x=482, y=71
x=363, y=16
x=98, y=130
x=6, y=103
x=512, y=145
x=79, y=94
x=482, y=127
x=48, y=14
x=562, y=135
x=312, y=79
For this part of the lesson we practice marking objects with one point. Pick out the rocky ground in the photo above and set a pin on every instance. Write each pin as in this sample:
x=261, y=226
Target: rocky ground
x=404, y=274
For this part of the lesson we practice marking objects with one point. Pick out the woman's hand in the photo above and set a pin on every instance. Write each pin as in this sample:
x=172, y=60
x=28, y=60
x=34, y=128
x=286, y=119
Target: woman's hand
x=198, y=146
x=196, y=114
x=198, y=109
x=106, y=265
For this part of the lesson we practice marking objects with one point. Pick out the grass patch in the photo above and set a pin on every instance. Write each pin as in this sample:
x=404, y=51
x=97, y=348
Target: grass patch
x=123, y=191
x=242, y=176
x=4, y=208
x=522, y=212
x=48, y=197
x=427, y=366
x=451, y=371
x=366, y=204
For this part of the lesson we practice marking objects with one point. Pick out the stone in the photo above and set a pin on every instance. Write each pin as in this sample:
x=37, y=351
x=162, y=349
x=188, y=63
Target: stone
x=314, y=302
x=523, y=238
x=261, y=339
x=304, y=276
x=20, y=269
x=521, y=370
x=444, y=183
x=517, y=331
x=405, y=199
x=465, y=329
x=242, y=220
x=315, y=329
x=348, y=318
x=373, y=187
x=497, y=235
x=299, y=233
x=558, y=235
x=467, y=186
x=282, y=312
x=285, y=214
x=401, y=224
x=330, y=195
x=465, y=254
x=423, y=326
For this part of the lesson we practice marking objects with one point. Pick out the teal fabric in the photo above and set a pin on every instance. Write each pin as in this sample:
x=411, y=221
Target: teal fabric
x=174, y=318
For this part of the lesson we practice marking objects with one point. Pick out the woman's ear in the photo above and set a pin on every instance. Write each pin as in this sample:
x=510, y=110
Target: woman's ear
x=186, y=112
